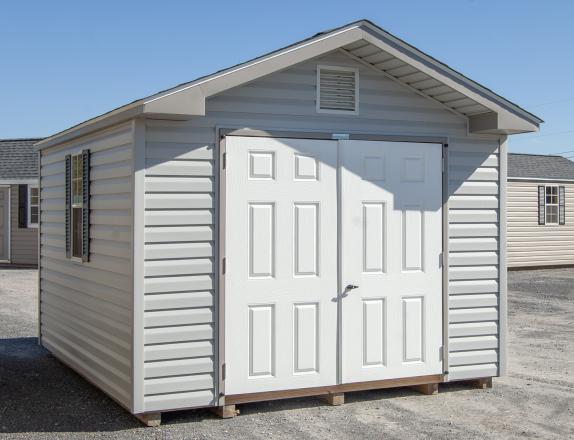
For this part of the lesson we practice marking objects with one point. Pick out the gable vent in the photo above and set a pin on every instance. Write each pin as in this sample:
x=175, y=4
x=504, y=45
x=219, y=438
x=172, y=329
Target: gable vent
x=337, y=90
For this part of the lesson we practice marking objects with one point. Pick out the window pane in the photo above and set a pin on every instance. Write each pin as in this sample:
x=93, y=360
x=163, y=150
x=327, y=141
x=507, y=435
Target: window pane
x=77, y=232
x=34, y=215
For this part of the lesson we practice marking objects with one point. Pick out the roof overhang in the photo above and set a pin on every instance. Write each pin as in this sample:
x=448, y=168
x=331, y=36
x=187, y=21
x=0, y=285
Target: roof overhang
x=363, y=41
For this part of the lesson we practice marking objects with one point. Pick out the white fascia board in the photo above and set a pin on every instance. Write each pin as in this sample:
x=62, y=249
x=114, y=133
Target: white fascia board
x=33, y=181
x=191, y=98
x=116, y=116
x=539, y=179
x=406, y=54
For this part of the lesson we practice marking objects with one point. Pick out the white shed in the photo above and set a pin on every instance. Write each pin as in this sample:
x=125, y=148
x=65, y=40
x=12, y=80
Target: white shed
x=328, y=217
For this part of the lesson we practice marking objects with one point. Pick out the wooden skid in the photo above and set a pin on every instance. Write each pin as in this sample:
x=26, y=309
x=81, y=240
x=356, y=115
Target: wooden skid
x=333, y=389
x=334, y=399
x=225, y=411
x=427, y=388
x=149, y=419
x=482, y=383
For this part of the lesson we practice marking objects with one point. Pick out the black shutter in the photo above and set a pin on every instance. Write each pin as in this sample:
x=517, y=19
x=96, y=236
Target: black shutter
x=22, y=206
x=561, y=205
x=86, y=205
x=68, y=203
x=541, y=205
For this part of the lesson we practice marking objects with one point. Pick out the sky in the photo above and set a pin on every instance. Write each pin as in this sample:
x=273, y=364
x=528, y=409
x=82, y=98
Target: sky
x=62, y=62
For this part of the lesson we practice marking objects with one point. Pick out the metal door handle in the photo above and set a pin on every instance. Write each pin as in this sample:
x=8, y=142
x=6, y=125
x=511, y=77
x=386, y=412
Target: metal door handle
x=351, y=287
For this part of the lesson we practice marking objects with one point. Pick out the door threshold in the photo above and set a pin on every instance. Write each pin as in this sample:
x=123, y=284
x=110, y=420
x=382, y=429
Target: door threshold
x=341, y=388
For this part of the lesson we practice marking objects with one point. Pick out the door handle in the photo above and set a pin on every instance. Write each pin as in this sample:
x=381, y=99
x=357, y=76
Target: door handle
x=351, y=287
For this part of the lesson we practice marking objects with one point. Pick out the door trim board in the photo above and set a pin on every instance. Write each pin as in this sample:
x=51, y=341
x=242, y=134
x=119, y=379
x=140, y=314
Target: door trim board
x=248, y=132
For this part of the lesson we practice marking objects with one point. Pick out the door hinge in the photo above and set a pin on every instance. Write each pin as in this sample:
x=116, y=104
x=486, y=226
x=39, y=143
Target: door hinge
x=224, y=161
x=440, y=260
x=223, y=265
x=442, y=163
x=223, y=370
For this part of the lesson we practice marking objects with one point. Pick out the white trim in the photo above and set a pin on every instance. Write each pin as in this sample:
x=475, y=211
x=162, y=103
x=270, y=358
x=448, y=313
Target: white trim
x=502, y=272
x=546, y=205
x=8, y=223
x=138, y=249
x=539, y=179
x=318, y=90
x=78, y=205
x=19, y=181
x=29, y=206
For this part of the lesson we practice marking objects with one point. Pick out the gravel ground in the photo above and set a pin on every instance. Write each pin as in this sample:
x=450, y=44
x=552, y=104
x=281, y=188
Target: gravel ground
x=41, y=398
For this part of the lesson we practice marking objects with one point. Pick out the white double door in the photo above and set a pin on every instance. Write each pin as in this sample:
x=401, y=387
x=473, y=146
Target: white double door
x=333, y=271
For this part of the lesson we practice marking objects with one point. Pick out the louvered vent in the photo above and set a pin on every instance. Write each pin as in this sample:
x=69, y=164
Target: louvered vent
x=337, y=90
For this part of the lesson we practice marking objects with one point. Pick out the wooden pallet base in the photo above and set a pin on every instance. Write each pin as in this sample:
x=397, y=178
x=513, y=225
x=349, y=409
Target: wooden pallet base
x=333, y=389
x=149, y=419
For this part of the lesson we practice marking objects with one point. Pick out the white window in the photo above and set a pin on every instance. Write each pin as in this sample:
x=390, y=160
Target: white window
x=77, y=202
x=337, y=90
x=551, y=205
x=33, y=206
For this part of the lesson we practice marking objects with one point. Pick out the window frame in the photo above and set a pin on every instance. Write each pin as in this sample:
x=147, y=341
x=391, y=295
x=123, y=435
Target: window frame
x=79, y=178
x=318, y=91
x=557, y=204
x=29, y=207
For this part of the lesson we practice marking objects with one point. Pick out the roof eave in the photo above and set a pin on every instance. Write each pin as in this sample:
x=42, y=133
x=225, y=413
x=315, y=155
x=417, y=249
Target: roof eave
x=188, y=100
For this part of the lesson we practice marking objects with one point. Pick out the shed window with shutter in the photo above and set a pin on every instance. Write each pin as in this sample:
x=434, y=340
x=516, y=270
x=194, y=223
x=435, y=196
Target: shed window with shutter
x=551, y=205
x=77, y=209
x=33, y=202
x=337, y=90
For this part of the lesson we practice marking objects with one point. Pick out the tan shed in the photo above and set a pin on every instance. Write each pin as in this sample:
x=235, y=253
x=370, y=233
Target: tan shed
x=540, y=215
x=328, y=217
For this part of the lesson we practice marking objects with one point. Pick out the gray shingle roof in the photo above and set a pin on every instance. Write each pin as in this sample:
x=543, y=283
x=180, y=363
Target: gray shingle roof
x=539, y=166
x=18, y=159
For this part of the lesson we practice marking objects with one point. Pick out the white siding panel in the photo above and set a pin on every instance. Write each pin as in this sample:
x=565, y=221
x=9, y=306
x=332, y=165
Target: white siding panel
x=472, y=371
x=179, y=268
x=86, y=308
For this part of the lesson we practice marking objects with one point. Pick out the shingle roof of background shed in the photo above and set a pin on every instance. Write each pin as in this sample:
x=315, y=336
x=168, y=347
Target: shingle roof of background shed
x=18, y=159
x=540, y=166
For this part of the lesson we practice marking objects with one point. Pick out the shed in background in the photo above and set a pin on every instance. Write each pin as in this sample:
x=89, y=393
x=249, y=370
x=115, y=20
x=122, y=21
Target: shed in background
x=540, y=214
x=19, y=202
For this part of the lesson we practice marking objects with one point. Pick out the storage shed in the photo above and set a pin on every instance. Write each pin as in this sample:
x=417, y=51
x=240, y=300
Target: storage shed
x=19, y=202
x=540, y=215
x=328, y=217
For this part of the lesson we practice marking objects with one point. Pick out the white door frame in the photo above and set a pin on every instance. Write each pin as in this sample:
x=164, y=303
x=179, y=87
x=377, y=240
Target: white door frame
x=220, y=208
x=7, y=221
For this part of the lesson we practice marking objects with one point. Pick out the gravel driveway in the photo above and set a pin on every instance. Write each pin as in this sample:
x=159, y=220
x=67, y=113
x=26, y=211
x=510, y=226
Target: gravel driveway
x=41, y=398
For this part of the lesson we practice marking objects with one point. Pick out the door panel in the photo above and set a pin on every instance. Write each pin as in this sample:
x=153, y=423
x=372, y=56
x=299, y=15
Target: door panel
x=391, y=240
x=281, y=259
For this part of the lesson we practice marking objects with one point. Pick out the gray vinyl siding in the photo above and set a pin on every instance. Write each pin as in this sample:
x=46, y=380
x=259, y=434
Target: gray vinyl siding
x=180, y=225
x=179, y=233
x=23, y=241
x=86, y=308
x=531, y=244
x=474, y=299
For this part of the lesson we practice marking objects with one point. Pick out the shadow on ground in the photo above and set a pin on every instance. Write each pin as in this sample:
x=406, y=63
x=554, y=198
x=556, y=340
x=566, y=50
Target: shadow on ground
x=40, y=394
